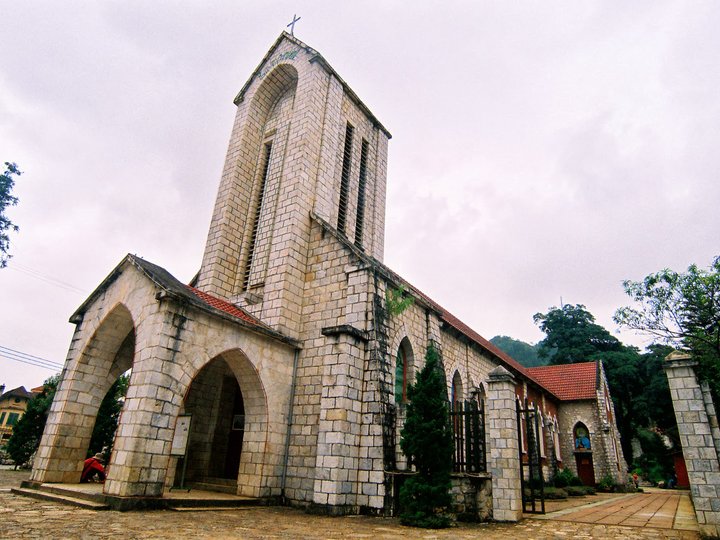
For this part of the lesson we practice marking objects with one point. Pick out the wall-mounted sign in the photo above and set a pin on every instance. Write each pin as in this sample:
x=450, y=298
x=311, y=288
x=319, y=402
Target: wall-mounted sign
x=182, y=434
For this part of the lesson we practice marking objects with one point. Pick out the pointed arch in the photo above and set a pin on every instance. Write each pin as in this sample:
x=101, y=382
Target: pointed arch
x=107, y=354
x=229, y=430
x=269, y=115
x=456, y=390
x=404, y=370
x=581, y=436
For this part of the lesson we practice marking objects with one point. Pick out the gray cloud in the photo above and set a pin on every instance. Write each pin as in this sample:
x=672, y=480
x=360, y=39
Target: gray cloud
x=539, y=151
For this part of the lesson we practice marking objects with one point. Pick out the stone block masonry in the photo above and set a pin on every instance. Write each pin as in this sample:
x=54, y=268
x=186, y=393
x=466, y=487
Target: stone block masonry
x=695, y=419
x=504, y=456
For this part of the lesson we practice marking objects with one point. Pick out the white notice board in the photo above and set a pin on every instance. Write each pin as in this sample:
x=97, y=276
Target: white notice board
x=182, y=432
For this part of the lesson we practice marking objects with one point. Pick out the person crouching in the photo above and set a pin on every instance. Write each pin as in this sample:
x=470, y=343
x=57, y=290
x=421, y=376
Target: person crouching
x=93, y=468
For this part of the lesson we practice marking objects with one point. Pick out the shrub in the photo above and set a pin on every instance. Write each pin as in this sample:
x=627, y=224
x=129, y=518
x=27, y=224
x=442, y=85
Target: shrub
x=555, y=493
x=606, y=483
x=576, y=491
x=564, y=478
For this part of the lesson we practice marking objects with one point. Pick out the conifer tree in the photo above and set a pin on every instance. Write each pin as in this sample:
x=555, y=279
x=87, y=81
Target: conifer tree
x=428, y=443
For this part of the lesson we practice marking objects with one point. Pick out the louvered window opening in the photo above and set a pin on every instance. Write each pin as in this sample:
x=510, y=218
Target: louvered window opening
x=345, y=179
x=256, y=217
x=359, y=223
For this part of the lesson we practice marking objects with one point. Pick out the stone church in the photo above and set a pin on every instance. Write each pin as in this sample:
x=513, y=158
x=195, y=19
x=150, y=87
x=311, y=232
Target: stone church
x=283, y=361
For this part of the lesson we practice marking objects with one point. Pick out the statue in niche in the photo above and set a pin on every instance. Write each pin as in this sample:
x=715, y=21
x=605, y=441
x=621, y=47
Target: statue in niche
x=582, y=439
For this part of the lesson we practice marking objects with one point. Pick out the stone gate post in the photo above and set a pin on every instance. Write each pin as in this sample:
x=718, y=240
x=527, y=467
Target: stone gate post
x=503, y=444
x=699, y=452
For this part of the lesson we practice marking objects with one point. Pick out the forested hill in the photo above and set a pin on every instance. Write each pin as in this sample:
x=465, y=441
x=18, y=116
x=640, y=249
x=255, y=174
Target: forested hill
x=525, y=353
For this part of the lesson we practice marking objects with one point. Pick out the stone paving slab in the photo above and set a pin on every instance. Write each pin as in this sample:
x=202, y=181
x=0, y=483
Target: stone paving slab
x=658, y=510
x=21, y=517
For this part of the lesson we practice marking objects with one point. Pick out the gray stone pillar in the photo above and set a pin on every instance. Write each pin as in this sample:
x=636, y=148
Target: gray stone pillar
x=694, y=428
x=503, y=444
x=337, y=480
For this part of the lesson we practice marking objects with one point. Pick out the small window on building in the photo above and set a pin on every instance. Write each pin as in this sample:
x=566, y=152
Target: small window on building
x=12, y=418
x=556, y=439
x=523, y=426
x=2, y=418
x=403, y=371
x=456, y=391
x=345, y=178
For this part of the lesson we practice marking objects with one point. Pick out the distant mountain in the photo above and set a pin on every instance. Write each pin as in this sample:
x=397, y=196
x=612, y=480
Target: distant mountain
x=525, y=353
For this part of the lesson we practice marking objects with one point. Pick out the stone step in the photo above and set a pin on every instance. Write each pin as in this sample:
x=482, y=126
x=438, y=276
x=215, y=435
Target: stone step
x=191, y=502
x=59, y=489
x=46, y=495
x=221, y=481
x=211, y=485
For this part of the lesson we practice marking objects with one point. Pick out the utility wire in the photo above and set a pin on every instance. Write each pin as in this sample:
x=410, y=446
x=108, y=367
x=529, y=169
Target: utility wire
x=37, y=274
x=29, y=359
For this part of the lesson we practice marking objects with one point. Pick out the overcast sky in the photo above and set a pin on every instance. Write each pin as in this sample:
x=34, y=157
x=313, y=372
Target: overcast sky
x=540, y=150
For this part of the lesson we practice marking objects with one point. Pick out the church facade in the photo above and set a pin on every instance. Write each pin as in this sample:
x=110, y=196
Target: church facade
x=287, y=359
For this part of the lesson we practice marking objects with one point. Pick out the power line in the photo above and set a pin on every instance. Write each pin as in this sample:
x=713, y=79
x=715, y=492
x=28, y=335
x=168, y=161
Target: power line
x=49, y=368
x=37, y=274
x=25, y=358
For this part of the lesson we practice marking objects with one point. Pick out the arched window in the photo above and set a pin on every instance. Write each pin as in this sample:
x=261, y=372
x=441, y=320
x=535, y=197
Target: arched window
x=523, y=425
x=582, y=437
x=456, y=389
x=403, y=371
x=556, y=439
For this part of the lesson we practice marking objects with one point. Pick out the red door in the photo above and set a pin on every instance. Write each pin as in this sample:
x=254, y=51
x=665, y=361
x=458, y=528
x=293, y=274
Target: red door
x=585, y=468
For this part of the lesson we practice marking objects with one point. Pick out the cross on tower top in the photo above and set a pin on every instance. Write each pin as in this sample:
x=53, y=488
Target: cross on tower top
x=291, y=26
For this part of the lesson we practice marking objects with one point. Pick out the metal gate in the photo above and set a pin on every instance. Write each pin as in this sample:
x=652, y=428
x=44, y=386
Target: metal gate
x=531, y=476
x=468, y=424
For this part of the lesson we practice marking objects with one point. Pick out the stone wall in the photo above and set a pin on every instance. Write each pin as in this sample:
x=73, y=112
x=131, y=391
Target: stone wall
x=472, y=497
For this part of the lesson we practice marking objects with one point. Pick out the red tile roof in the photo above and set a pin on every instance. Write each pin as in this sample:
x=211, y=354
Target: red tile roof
x=225, y=306
x=570, y=381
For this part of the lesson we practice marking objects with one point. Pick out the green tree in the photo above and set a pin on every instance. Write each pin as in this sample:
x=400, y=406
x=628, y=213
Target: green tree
x=29, y=429
x=428, y=444
x=6, y=199
x=638, y=385
x=525, y=353
x=108, y=417
x=681, y=309
x=572, y=335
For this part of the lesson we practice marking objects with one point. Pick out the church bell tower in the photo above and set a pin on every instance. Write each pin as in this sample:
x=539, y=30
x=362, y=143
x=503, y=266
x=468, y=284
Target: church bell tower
x=302, y=145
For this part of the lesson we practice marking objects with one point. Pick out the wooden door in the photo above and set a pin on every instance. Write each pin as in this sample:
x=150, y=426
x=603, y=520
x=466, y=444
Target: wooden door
x=585, y=468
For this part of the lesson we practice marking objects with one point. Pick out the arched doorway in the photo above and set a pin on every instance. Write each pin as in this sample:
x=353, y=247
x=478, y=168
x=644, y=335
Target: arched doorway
x=228, y=426
x=583, y=454
x=68, y=437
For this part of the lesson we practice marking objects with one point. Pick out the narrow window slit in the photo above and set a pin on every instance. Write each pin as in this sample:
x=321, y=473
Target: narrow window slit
x=359, y=222
x=256, y=217
x=345, y=179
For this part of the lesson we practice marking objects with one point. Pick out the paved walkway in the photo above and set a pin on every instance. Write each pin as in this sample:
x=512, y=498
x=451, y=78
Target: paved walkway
x=22, y=517
x=657, y=509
